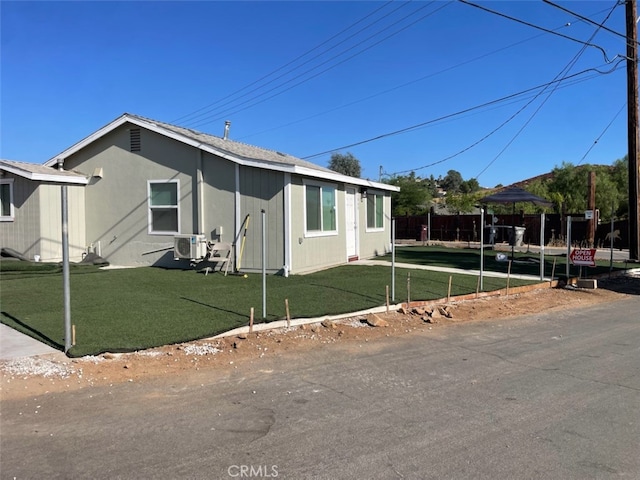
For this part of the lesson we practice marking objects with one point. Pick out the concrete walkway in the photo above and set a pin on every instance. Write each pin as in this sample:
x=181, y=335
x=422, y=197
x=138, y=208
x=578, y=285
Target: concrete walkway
x=458, y=271
x=14, y=344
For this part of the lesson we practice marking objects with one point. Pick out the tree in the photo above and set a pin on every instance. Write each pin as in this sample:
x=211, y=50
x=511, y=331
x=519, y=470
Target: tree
x=469, y=186
x=413, y=197
x=346, y=164
x=452, y=182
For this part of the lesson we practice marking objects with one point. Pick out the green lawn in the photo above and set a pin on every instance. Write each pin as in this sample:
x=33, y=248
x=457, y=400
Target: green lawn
x=132, y=309
x=469, y=259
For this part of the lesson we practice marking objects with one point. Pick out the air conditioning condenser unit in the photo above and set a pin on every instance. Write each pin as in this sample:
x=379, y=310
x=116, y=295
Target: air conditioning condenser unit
x=192, y=247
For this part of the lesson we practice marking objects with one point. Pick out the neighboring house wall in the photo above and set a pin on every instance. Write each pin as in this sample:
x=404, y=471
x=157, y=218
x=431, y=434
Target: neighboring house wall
x=51, y=222
x=36, y=228
x=22, y=233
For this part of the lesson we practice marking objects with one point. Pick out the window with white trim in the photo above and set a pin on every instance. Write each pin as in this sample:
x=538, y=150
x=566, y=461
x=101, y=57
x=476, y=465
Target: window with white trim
x=6, y=200
x=164, y=210
x=375, y=211
x=320, y=208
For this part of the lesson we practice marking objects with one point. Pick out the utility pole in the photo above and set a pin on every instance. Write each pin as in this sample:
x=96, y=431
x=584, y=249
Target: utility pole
x=591, y=205
x=632, y=109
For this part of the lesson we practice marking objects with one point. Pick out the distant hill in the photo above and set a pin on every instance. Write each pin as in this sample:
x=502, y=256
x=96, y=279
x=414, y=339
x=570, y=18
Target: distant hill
x=547, y=176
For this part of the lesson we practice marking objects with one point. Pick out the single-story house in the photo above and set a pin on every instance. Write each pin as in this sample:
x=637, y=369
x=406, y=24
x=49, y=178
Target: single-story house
x=144, y=183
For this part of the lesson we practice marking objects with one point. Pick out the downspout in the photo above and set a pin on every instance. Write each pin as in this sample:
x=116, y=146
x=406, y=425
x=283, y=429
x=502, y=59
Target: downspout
x=288, y=264
x=238, y=213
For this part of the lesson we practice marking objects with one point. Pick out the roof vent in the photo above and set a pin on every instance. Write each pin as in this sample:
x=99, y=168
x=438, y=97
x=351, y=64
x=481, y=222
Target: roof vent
x=227, y=124
x=134, y=140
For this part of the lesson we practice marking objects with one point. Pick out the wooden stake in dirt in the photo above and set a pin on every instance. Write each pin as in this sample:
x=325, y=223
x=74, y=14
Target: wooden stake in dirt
x=408, y=288
x=286, y=307
x=553, y=272
x=449, y=289
x=478, y=286
x=508, y=277
x=73, y=335
x=387, y=295
x=251, y=321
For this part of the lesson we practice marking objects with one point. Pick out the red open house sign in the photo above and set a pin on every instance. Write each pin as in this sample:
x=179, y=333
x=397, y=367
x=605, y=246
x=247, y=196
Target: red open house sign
x=583, y=256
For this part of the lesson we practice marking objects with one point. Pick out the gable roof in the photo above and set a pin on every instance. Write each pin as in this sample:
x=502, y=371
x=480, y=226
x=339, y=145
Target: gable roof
x=237, y=152
x=43, y=173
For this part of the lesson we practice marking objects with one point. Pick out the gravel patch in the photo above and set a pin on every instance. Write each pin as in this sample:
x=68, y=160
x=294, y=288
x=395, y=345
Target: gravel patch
x=37, y=366
x=204, y=349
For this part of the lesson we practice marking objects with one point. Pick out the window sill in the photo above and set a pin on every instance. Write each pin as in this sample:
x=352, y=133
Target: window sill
x=332, y=233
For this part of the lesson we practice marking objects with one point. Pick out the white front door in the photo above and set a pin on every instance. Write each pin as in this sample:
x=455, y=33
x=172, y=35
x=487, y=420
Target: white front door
x=351, y=223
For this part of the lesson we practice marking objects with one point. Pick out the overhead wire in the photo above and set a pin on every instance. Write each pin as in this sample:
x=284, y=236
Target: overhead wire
x=451, y=115
x=495, y=12
x=602, y=134
x=291, y=62
x=397, y=87
x=209, y=119
x=586, y=19
x=567, y=68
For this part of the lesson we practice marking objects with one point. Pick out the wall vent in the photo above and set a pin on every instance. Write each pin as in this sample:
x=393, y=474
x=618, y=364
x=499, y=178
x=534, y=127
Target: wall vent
x=134, y=139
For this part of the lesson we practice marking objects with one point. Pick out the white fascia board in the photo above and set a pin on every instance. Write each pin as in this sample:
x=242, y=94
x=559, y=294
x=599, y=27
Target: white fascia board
x=45, y=177
x=60, y=179
x=338, y=177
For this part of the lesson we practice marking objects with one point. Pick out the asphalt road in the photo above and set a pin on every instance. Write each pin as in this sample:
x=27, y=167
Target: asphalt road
x=553, y=396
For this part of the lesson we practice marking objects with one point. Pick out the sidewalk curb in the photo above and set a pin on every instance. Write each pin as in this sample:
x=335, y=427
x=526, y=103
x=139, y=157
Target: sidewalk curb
x=261, y=327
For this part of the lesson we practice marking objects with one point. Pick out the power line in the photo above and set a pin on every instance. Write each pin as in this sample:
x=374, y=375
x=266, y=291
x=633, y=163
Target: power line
x=588, y=20
x=567, y=68
x=397, y=87
x=604, y=53
x=209, y=119
x=451, y=115
x=602, y=134
x=295, y=59
x=384, y=92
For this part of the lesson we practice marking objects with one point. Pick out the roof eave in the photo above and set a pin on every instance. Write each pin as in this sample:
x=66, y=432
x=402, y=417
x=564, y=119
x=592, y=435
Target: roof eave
x=42, y=177
x=215, y=151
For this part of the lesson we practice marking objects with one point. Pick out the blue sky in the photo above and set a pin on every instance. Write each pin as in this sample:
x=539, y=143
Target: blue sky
x=309, y=77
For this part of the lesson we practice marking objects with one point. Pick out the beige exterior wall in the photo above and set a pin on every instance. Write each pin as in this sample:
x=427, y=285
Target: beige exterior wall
x=37, y=225
x=23, y=233
x=311, y=251
x=218, y=204
x=374, y=243
x=51, y=222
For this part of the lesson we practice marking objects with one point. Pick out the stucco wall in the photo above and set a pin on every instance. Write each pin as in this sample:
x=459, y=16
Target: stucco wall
x=262, y=190
x=310, y=252
x=374, y=243
x=117, y=203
